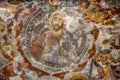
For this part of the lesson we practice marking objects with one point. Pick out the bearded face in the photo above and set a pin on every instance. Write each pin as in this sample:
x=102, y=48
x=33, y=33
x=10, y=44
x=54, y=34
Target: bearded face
x=57, y=22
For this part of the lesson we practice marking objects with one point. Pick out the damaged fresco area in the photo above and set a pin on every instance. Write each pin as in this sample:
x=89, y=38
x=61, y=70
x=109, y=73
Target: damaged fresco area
x=59, y=40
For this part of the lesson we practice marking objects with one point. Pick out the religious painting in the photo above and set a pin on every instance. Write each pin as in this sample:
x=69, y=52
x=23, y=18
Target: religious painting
x=59, y=40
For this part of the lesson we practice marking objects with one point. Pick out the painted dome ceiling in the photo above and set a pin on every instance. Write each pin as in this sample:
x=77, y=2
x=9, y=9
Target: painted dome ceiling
x=59, y=40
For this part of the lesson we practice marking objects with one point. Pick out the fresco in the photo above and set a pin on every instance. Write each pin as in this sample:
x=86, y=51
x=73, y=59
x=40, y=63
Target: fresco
x=59, y=40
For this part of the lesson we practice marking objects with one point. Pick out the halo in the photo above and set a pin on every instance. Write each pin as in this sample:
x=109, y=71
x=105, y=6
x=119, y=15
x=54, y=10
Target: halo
x=78, y=77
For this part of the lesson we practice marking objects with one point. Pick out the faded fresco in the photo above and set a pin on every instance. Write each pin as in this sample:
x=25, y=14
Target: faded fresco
x=59, y=40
